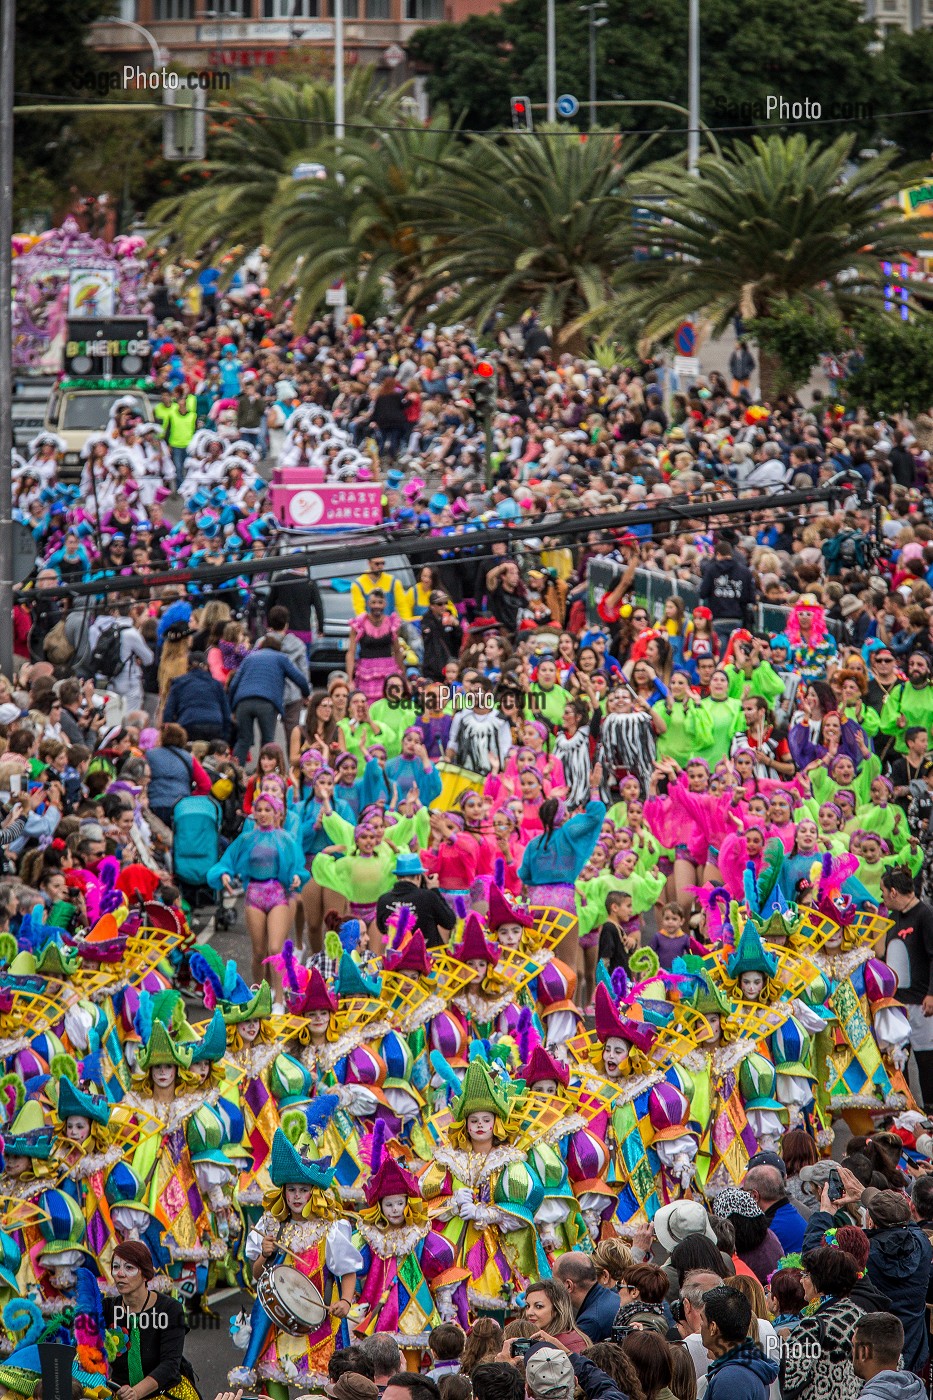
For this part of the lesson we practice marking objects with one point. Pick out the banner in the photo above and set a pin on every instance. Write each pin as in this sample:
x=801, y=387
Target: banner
x=326, y=505
x=91, y=291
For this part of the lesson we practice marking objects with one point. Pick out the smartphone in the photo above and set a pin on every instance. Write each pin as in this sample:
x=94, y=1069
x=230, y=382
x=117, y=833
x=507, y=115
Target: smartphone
x=520, y=1345
x=16, y=782
x=834, y=1183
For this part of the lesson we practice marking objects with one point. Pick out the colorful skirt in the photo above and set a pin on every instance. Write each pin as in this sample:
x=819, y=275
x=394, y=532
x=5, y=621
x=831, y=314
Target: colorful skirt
x=554, y=897
x=371, y=674
x=266, y=895
x=364, y=912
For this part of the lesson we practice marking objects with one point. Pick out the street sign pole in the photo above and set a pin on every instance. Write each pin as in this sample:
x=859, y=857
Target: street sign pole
x=693, y=88
x=7, y=85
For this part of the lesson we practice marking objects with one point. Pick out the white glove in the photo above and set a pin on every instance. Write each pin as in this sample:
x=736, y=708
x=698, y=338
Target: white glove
x=469, y=1211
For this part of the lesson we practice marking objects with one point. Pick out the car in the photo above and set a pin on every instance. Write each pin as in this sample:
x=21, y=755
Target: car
x=328, y=651
x=74, y=413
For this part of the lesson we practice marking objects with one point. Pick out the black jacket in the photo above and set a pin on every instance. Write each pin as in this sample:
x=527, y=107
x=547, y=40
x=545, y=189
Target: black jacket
x=198, y=699
x=727, y=588
x=899, y=1264
x=441, y=637
x=429, y=907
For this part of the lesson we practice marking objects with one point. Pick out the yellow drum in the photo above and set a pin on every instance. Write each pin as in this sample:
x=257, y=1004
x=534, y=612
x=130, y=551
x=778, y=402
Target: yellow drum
x=454, y=781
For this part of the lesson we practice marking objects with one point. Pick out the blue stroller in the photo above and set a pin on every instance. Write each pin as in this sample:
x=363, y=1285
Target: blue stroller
x=196, y=848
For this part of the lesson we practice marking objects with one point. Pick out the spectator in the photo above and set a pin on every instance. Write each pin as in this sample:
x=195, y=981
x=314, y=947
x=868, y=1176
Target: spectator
x=351, y=1358
x=441, y=635
x=899, y=1262
x=798, y=1150
x=484, y=1343
x=446, y=1344
x=727, y=588
x=737, y=1369
x=820, y=1362
x=133, y=655
x=497, y=1380
x=548, y=1305
x=277, y=620
x=641, y=1296
x=756, y=1245
x=765, y=1185
x=382, y=1350
x=651, y=1357
x=595, y=1307
x=403, y=1385
x=257, y=693
x=877, y=1344
x=696, y=1284
x=909, y=952
x=198, y=703
x=174, y=773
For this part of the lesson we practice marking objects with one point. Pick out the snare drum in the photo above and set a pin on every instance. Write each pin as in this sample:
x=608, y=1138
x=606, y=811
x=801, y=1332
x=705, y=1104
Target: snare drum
x=454, y=781
x=291, y=1300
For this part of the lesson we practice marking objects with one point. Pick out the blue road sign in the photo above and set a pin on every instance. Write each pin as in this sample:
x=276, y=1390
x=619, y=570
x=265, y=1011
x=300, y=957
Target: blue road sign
x=567, y=105
x=685, y=338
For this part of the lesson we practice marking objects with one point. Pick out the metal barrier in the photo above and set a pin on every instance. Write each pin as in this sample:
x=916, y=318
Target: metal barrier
x=651, y=589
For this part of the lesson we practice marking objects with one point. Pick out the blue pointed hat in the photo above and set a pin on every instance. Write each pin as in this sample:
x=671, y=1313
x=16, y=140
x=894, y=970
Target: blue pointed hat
x=352, y=983
x=287, y=1167
x=213, y=1044
x=73, y=1103
x=750, y=955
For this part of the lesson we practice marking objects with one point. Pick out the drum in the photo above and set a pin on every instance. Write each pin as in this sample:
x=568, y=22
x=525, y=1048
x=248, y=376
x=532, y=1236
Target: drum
x=291, y=1300
x=454, y=781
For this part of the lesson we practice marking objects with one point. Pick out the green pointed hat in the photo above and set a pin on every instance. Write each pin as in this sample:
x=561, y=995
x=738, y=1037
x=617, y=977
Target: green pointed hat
x=287, y=1167
x=213, y=1044
x=479, y=1094
x=29, y=1135
x=709, y=999
x=757, y=1081
x=258, y=1008
x=750, y=955
x=163, y=1050
x=73, y=1103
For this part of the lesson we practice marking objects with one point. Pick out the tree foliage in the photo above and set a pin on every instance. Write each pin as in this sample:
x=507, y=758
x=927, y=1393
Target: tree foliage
x=763, y=223
x=891, y=368
x=822, y=55
x=795, y=335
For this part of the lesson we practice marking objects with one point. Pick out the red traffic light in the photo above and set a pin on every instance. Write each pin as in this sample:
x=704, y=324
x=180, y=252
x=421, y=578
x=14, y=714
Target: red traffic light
x=484, y=369
x=519, y=108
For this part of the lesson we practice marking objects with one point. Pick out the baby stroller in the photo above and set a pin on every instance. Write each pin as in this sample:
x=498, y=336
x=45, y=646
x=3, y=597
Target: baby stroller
x=196, y=848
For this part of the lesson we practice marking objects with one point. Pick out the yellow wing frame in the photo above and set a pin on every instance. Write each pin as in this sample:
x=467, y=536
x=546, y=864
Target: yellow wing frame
x=551, y=928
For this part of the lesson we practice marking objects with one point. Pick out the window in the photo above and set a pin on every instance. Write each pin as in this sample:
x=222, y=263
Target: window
x=351, y=9
x=424, y=10
x=378, y=9
x=175, y=9
x=291, y=9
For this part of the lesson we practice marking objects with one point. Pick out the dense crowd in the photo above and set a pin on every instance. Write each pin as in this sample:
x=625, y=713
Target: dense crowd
x=586, y=1039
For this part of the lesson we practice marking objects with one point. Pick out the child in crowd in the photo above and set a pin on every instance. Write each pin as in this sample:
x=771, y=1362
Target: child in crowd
x=620, y=935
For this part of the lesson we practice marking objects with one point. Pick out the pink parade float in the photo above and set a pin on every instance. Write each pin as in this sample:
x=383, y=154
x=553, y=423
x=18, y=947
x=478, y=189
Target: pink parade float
x=66, y=273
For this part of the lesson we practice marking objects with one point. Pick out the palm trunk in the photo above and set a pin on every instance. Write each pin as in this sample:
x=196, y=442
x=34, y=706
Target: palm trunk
x=769, y=373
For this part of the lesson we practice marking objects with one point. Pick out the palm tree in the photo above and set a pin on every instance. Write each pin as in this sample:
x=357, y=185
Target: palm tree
x=255, y=144
x=527, y=221
x=760, y=224
x=356, y=224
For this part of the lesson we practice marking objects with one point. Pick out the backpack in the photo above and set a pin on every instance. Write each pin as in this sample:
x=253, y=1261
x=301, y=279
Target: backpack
x=57, y=647
x=106, y=660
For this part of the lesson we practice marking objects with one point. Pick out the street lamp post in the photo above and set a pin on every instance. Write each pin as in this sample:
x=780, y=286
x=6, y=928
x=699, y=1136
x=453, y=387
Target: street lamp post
x=7, y=85
x=159, y=56
x=338, y=71
x=551, y=62
x=594, y=24
x=693, y=88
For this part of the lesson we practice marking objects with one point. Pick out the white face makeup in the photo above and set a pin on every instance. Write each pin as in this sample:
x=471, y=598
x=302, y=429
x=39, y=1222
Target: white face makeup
x=615, y=1055
x=297, y=1197
x=480, y=1127
x=78, y=1128
x=163, y=1076
x=393, y=1208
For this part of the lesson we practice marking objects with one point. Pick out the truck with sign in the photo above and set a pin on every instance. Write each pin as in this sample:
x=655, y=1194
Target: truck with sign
x=103, y=360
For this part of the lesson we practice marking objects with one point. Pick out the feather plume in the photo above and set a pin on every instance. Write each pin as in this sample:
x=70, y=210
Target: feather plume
x=231, y=978
x=460, y=907
x=211, y=981
x=523, y=1035
x=445, y=1073
x=293, y=1125
x=8, y=948
x=64, y=1066
x=289, y=965
x=498, y=872
x=319, y=1112
x=89, y=1326
x=143, y=1018
x=12, y=1096
x=479, y=1050
x=350, y=932
x=619, y=984
x=21, y=1313
x=403, y=922
x=750, y=887
x=379, y=1142
x=332, y=945
x=644, y=963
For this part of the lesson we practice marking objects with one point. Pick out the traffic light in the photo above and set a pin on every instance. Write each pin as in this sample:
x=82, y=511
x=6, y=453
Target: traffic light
x=521, y=114
x=184, y=124
x=483, y=387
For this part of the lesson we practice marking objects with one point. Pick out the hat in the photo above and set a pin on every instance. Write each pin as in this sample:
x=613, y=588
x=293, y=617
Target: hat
x=540, y=1066
x=502, y=911
x=610, y=1025
x=352, y=1386
x=732, y=1201
x=72, y=1103
x=408, y=863
x=849, y=604
x=750, y=955
x=675, y=1222
x=768, y=1159
x=886, y=1208
x=473, y=944
x=479, y=1094
x=549, y=1374
x=287, y=1167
